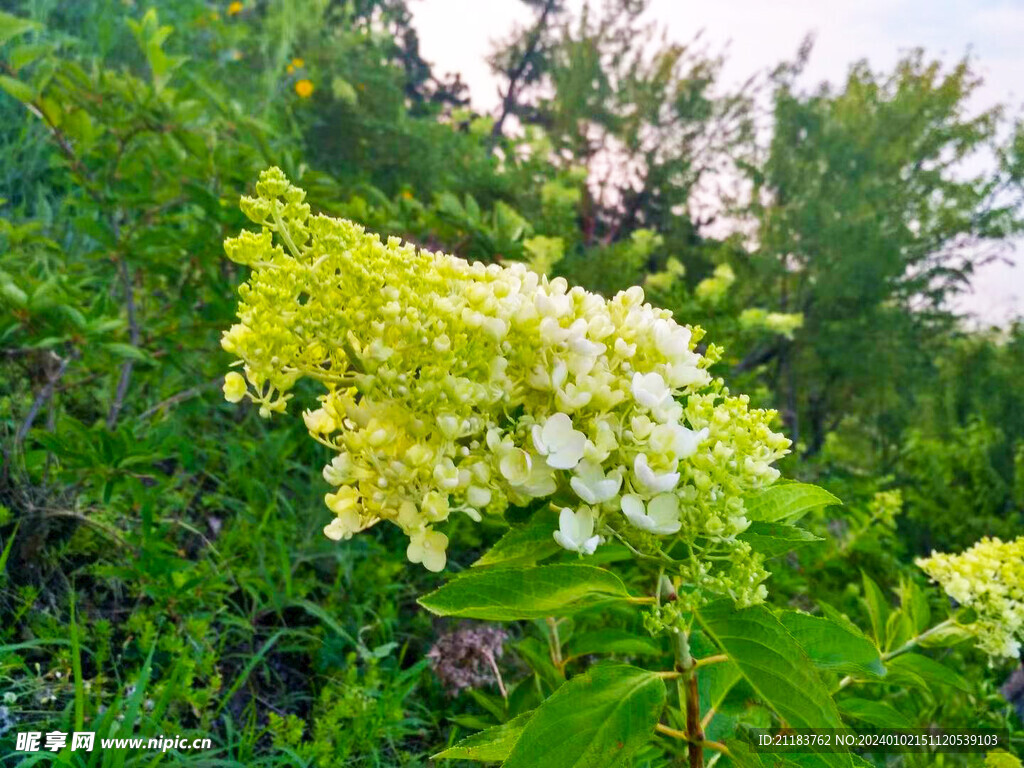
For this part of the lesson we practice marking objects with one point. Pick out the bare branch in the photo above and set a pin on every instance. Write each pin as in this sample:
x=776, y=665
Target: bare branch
x=508, y=100
x=134, y=336
x=42, y=398
x=180, y=397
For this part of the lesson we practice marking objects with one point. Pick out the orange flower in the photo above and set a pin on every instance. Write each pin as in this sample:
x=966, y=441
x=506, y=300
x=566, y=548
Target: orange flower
x=304, y=88
x=235, y=8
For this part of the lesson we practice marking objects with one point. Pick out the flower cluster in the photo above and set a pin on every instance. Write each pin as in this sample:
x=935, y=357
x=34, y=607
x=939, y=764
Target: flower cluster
x=459, y=388
x=467, y=657
x=989, y=578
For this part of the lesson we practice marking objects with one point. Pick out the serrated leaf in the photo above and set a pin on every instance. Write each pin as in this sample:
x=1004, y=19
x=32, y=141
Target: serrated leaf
x=834, y=646
x=598, y=718
x=537, y=656
x=507, y=594
x=13, y=294
x=489, y=746
x=473, y=722
x=126, y=351
x=12, y=26
x=775, y=665
x=612, y=641
x=878, y=609
x=786, y=502
x=23, y=55
x=774, y=539
x=945, y=637
x=526, y=543
x=878, y=713
x=742, y=756
x=23, y=92
x=714, y=683
x=928, y=670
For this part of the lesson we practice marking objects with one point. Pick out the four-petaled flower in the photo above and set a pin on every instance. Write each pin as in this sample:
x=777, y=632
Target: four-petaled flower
x=687, y=441
x=318, y=422
x=234, y=387
x=576, y=531
x=661, y=515
x=671, y=339
x=339, y=471
x=648, y=479
x=428, y=547
x=560, y=444
x=592, y=485
x=650, y=390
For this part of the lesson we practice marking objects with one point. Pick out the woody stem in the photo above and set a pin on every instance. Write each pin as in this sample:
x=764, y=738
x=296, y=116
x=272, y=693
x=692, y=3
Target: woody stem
x=686, y=687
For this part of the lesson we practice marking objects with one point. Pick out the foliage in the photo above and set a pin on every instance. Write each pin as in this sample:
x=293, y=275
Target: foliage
x=162, y=563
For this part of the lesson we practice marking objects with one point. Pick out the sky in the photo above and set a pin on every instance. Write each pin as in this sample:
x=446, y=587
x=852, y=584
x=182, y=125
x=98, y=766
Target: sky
x=457, y=35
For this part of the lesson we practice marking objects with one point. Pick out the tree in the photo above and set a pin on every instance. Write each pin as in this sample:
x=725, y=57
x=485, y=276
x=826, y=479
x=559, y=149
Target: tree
x=869, y=221
x=641, y=117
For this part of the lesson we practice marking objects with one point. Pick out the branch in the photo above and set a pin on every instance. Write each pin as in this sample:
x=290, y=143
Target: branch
x=907, y=646
x=134, y=335
x=180, y=397
x=755, y=358
x=40, y=400
x=44, y=395
x=62, y=142
x=509, y=99
x=629, y=215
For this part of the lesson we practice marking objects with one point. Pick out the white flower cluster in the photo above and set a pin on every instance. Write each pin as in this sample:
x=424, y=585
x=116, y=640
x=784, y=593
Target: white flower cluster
x=462, y=388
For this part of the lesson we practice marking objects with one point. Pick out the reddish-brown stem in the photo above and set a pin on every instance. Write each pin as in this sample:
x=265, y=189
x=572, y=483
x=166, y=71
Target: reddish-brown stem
x=689, y=699
x=693, y=725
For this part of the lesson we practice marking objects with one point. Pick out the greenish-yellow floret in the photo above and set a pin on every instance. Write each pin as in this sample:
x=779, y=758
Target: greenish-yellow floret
x=989, y=578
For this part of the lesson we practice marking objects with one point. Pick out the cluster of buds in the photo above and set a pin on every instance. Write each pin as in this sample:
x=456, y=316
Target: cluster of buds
x=462, y=388
x=988, y=578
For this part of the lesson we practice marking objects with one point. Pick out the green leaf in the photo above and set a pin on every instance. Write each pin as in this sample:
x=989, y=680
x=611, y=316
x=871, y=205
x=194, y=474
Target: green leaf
x=915, y=602
x=537, y=656
x=13, y=294
x=877, y=713
x=16, y=88
x=612, y=641
x=473, y=722
x=743, y=756
x=834, y=646
x=24, y=55
x=126, y=351
x=775, y=666
x=597, y=719
x=774, y=539
x=493, y=704
x=878, y=609
x=527, y=543
x=714, y=683
x=787, y=502
x=12, y=26
x=929, y=671
x=507, y=594
x=945, y=637
x=490, y=746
